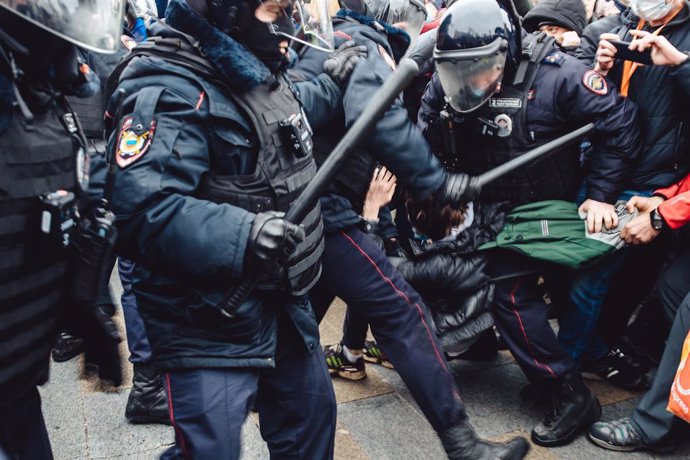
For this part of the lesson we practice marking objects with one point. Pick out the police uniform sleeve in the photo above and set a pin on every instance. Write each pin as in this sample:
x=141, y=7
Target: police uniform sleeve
x=320, y=98
x=583, y=96
x=161, y=158
x=396, y=142
x=429, y=113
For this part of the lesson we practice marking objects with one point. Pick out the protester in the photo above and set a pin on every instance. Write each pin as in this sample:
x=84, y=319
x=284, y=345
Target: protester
x=659, y=91
x=651, y=425
x=562, y=19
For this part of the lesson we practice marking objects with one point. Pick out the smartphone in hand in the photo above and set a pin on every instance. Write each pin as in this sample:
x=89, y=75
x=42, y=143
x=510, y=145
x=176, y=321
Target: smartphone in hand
x=623, y=52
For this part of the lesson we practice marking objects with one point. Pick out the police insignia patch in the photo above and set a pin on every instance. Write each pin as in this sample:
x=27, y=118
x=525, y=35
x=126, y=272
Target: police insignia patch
x=132, y=146
x=594, y=82
x=387, y=57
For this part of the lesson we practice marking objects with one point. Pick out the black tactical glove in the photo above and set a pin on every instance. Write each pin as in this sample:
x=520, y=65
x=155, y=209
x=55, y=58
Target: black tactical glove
x=343, y=60
x=272, y=239
x=458, y=189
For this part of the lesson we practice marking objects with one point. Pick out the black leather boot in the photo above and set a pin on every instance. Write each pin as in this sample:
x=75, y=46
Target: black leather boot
x=148, y=401
x=573, y=409
x=67, y=347
x=462, y=443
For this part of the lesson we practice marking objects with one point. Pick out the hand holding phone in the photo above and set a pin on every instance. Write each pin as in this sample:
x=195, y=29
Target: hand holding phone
x=625, y=53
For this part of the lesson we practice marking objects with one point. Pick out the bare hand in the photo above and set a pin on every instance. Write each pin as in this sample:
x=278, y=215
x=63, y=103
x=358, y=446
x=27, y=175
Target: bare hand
x=643, y=203
x=599, y=213
x=380, y=193
x=639, y=230
x=570, y=38
x=606, y=53
x=663, y=52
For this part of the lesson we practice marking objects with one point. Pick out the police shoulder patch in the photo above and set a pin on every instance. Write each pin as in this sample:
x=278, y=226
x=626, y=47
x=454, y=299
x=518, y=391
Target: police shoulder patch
x=555, y=58
x=387, y=57
x=130, y=145
x=595, y=82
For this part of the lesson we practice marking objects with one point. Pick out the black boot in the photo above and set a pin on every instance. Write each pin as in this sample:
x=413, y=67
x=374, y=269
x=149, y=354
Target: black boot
x=462, y=443
x=67, y=347
x=573, y=409
x=148, y=402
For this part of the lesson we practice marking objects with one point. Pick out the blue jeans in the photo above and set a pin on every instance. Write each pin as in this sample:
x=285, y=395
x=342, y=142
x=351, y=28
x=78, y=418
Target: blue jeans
x=580, y=317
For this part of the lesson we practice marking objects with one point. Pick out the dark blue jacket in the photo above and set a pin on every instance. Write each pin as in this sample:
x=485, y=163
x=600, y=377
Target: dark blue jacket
x=396, y=142
x=562, y=100
x=189, y=251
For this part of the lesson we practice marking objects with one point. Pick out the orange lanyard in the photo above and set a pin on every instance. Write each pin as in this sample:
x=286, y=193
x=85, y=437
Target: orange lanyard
x=630, y=67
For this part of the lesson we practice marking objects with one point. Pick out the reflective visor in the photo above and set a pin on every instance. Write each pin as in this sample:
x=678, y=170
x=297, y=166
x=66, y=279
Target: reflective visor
x=93, y=24
x=470, y=77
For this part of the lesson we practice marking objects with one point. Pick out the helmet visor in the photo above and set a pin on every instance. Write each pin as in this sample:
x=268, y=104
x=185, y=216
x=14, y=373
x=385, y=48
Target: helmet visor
x=408, y=15
x=305, y=21
x=468, y=82
x=92, y=24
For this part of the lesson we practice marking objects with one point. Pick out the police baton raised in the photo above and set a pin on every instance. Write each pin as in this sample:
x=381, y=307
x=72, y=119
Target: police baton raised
x=478, y=182
x=373, y=112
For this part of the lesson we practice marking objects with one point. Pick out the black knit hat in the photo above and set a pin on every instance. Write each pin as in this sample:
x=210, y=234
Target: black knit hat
x=569, y=14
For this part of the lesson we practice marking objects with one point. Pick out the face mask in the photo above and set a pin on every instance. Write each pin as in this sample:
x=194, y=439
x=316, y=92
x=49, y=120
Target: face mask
x=265, y=44
x=651, y=10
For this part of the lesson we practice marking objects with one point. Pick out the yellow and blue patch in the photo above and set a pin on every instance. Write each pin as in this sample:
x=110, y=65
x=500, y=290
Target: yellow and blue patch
x=132, y=146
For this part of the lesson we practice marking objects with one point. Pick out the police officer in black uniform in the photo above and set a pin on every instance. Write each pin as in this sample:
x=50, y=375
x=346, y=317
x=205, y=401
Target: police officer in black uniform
x=209, y=147
x=355, y=268
x=494, y=96
x=43, y=173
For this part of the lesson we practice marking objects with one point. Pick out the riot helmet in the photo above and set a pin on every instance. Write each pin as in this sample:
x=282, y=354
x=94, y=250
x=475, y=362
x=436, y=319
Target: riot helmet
x=92, y=24
x=408, y=15
x=476, y=40
x=305, y=21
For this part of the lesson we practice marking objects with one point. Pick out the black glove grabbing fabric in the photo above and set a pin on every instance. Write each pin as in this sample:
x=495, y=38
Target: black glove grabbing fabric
x=458, y=189
x=272, y=239
x=343, y=60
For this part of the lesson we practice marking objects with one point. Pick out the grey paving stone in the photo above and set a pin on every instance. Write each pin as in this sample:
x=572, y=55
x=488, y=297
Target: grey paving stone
x=109, y=434
x=62, y=411
x=253, y=445
x=386, y=428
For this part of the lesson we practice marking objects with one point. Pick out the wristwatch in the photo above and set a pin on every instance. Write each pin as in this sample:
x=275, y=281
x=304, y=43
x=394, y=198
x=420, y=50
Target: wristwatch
x=370, y=226
x=658, y=222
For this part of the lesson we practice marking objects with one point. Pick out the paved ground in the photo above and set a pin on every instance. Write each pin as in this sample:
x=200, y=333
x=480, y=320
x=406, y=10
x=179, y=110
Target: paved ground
x=377, y=418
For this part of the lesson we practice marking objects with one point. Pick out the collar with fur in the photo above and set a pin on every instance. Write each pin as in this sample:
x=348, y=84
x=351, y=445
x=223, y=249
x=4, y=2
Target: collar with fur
x=239, y=66
x=398, y=39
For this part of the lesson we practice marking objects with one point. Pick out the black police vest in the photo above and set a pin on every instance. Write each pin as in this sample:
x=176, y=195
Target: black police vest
x=281, y=173
x=280, y=176
x=497, y=132
x=35, y=159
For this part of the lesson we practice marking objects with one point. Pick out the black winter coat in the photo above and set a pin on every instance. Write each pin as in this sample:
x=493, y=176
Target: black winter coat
x=452, y=278
x=662, y=95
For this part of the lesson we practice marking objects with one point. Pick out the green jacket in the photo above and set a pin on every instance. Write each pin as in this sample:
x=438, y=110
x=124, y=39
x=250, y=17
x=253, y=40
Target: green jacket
x=554, y=231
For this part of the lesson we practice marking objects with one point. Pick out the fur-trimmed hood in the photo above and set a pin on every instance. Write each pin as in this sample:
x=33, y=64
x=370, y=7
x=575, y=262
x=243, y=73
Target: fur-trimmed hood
x=239, y=66
x=398, y=39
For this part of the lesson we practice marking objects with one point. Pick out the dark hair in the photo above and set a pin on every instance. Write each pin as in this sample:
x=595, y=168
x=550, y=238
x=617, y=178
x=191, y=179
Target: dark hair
x=429, y=217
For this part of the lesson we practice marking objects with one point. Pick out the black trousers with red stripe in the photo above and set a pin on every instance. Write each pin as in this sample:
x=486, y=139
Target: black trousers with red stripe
x=358, y=272
x=520, y=315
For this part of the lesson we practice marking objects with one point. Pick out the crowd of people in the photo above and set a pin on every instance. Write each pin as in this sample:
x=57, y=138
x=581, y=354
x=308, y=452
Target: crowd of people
x=174, y=140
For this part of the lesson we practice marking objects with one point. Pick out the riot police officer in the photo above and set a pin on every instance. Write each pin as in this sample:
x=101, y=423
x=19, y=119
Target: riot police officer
x=209, y=145
x=494, y=96
x=355, y=269
x=43, y=173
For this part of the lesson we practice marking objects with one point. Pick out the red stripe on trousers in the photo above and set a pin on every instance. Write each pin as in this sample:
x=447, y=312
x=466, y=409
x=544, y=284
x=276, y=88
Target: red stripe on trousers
x=178, y=432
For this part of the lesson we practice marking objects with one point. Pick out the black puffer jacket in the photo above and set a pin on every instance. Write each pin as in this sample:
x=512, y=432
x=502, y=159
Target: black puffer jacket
x=662, y=95
x=451, y=277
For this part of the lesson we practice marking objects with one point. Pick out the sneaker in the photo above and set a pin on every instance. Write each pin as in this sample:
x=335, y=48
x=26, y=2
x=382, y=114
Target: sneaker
x=621, y=436
x=617, y=368
x=373, y=354
x=67, y=347
x=339, y=365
